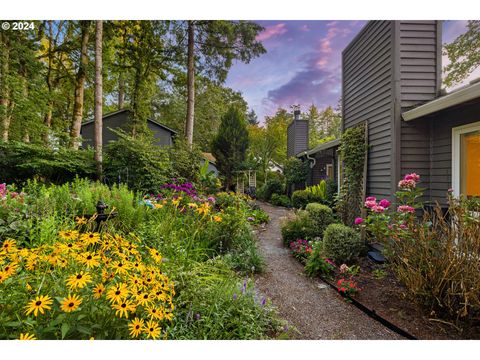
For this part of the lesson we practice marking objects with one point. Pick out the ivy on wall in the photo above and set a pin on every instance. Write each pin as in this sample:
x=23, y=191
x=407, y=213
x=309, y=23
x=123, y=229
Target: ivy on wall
x=353, y=151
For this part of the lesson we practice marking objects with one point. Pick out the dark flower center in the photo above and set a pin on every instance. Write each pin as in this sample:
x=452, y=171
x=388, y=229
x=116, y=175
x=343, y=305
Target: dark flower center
x=89, y=257
x=70, y=245
x=90, y=236
x=79, y=276
x=38, y=303
x=137, y=327
x=117, y=292
x=71, y=304
x=151, y=329
x=124, y=306
x=145, y=296
x=120, y=264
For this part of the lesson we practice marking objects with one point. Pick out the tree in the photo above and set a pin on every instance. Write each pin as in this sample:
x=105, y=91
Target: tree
x=98, y=139
x=230, y=144
x=464, y=54
x=252, y=117
x=277, y=129
x=212, y=47
x=323, y=126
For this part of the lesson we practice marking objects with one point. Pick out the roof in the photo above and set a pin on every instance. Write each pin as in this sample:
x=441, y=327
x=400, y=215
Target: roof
x=127, y=110
x=324, y=146
x=457, y=97
x=209, y=157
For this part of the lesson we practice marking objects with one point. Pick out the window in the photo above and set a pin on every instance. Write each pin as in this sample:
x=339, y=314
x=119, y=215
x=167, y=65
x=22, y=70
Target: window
x=466, y=160
x=330, y=171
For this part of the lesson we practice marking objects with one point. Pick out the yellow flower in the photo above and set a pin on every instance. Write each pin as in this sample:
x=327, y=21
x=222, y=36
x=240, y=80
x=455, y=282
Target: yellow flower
x=90, y=238
x=10, y=269
x=169, y=316
x=155, y=255
x=68, y=234
x=78, y=280
x=27, y=336
x=9, y=245
x=81, y=220
x=192, y=205
x=3, y=276
x=120, y=267
x=158, y=206
x=136, y=327
x=117, y=292
x=40, y=303
x=71, y=303
x=123, y=308
x=176, y=201
x=98, y=291
x=204, y=209
x=217, y=218
x=154, y=312
x=143, y=298
x=90, y=259
x=152, y=329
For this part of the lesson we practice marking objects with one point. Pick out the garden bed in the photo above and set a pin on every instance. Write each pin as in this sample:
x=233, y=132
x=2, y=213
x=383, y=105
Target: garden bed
x=387, y=297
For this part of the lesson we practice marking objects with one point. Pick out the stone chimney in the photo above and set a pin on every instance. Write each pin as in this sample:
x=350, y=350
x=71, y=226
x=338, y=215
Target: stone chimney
x=297, y=135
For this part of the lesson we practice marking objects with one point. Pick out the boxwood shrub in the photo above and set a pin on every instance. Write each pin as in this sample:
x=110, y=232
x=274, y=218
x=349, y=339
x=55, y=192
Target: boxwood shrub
x=321, y=215
x=342, y=243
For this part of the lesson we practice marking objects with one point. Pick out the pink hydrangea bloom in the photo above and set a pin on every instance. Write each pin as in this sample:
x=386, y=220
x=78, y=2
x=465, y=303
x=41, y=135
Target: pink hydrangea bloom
x=358, y=221
x=378, y=209
x=385, y=203
x=405, y=209
x=407, y=184
x=371, y=198
x=3, y=189
x=412, y=176
x=403, y=226
x=370, y=203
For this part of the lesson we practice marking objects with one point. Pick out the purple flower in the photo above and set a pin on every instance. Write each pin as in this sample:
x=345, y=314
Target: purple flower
x=235, y=296
x=264, y=300
x=250, y=218
x=197, y=316
x=358, y=221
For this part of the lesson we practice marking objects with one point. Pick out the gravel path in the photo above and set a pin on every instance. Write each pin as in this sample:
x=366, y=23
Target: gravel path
x=312, y=307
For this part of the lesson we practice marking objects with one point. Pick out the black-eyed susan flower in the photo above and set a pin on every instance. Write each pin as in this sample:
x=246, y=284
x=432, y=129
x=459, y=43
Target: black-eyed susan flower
x=90, y=259
x=98, y=291
x=3, y=276
x=152, y=329
x=155, y=255
x=10, y=268
x=9, y=245
x=80, y=220
x=117, y=292
x=144, y=298
x=39, y=304
x=68, y=234
x=90, y=238
x=154, y=312
x=123, y=307
x=120, y=267
x=71, y=303
x=136, y=327
x=78, y=280
x=27, y=336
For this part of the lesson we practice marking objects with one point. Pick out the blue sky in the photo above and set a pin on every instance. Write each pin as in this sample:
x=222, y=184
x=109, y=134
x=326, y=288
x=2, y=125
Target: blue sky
x=303, y=63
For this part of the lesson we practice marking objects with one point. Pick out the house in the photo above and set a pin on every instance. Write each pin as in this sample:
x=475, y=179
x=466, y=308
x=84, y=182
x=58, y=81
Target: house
x=391, y=81
x=212, y=167
x=121, y=119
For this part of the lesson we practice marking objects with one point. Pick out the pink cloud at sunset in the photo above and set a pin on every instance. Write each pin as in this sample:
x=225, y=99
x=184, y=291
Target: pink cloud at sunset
x=271, y=31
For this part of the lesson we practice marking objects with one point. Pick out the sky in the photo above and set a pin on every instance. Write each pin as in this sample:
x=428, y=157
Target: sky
x=303, y=64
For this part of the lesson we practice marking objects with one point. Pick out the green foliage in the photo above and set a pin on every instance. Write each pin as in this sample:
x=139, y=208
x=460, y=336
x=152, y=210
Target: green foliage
x=230, y=144
x=271, y=186
x=353, y=150
x=20, y=161
x=324, y=125
x=208, y=181
x=318, y=191
x=300, y=227
x=321, y=215
x=137, y=162
x=301, y=198
x=317, y=264
x=296, y=171
x=280, y=200
x=331, y=192
x=463, y=54
x=342, y=243
x=186, y=162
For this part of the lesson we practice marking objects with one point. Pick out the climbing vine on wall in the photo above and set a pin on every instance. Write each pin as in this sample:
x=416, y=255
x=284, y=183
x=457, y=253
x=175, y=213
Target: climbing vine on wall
x=353, y=150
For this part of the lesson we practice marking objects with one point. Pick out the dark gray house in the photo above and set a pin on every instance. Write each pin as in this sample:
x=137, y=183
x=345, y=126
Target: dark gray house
x=121, y=119
x=391, y=81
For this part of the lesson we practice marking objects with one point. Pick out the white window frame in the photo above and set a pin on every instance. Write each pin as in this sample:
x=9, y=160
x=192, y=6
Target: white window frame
x=456, y=132
x=326, y=170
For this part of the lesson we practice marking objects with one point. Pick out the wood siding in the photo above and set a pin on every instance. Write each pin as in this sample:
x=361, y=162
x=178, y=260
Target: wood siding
x=297, y=137
x=368, y=96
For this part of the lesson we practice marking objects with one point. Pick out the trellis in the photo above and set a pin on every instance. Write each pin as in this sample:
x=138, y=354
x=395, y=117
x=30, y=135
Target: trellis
x=250, y=176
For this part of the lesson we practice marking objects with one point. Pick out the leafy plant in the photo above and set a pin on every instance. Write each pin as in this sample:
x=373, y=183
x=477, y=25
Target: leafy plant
x=347, y=286
x=379, y=274
x=317, y=263
x=342, y=243
x=318, y=191
x=300, y=227
x=300, y=249
x=280, y=200
x=321, y=215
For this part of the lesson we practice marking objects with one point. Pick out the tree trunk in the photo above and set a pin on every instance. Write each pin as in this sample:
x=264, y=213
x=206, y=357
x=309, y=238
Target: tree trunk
x=121, y=91
x=4, y=91
x=98, y=139
x=79, y=87
x=190, y=84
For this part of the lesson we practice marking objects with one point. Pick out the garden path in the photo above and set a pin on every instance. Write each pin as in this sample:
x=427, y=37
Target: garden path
x=310, y=305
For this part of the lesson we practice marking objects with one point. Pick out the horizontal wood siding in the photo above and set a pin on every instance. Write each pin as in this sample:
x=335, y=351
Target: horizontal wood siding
x=368, y=96
x=297, y=137
x=419, y=71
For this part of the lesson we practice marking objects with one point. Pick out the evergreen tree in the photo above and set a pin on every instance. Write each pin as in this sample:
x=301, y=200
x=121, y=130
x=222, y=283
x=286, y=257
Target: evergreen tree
x=252, y=117
x=230, y=144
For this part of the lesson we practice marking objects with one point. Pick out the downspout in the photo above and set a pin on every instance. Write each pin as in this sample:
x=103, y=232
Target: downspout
x=312, y=165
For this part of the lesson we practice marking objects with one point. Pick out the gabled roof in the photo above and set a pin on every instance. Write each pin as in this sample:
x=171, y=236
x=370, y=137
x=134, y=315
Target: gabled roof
x=209, y=157
x=127, y=110
x=323, y=146
x=457, y=97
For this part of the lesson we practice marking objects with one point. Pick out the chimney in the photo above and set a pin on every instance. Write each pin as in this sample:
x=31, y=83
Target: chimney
x=297, y=134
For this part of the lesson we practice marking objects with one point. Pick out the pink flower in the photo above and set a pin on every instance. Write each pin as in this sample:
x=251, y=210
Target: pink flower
x=413, y=177
x=450, y=190
x=405, y=209
x=378, y=209
x=343, y=268
x=358, y=221
x=403, y=226
x=407, y=184
x=385, y=203
x=370, y=203
x=371, y=198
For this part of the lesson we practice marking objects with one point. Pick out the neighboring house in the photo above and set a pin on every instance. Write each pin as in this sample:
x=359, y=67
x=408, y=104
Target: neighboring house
x=212, y=167
x=121, y=119
x=391, y=79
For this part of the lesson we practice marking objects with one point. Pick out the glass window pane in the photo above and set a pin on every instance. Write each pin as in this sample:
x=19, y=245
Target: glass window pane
x=470, y=163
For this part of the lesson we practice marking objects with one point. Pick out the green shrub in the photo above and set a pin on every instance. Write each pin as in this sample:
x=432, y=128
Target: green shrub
x=301, y=198
x=319, y=191
x=280, y=200
x=321, y=215
x=317, y=264
x=272, y=186
x=301, y=227
x=342, y=243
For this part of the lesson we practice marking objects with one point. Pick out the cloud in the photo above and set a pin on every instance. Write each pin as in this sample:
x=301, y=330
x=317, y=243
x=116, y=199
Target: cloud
x=271, y=31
